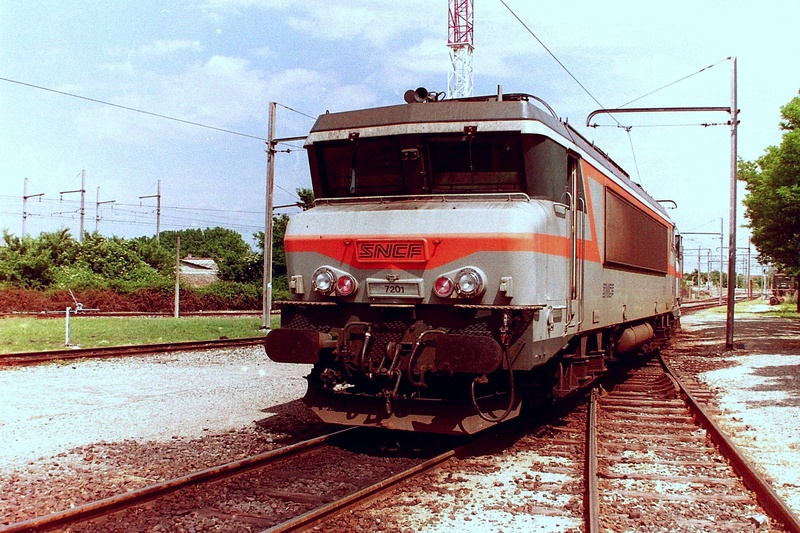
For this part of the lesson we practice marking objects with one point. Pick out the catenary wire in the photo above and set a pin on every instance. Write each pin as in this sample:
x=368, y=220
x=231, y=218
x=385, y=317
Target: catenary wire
x=571, y=75
x=296, y=111
x=675, y=82
x=127, y=108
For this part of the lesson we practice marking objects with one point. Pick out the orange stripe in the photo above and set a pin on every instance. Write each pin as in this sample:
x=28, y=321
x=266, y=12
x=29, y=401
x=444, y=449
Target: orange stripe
x=593, y=245
x=443, y=249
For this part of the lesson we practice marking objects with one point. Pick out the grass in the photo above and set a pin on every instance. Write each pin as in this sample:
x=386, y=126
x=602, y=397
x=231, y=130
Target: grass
x=761, y=307
x=26, y=334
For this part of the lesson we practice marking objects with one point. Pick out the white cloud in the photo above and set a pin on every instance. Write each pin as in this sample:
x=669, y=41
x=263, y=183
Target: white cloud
x=163, y=48
x=226, y=92
x=427, y=56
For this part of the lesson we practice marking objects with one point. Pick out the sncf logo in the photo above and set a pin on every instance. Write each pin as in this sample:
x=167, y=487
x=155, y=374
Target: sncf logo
x=400, y=251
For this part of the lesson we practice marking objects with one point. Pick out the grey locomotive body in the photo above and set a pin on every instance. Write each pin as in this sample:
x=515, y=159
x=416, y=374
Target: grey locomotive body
x=464, y=258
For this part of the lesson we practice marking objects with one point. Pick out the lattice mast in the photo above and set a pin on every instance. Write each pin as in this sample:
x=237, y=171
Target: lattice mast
x=460, y=35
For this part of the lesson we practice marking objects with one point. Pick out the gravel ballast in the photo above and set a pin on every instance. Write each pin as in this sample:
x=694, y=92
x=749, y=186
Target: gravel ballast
x=71, y=433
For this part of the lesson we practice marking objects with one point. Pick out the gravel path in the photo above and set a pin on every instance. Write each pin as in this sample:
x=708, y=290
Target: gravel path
x=48, y=409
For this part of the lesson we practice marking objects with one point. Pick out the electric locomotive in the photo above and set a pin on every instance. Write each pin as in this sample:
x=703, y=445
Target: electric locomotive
x=465, y=258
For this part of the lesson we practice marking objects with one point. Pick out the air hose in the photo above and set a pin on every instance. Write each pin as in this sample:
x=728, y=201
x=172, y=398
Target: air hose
x=511, y=401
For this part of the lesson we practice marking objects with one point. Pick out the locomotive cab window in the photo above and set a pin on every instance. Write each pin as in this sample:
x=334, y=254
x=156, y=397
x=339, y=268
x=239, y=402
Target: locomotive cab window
x=418, y=164
x=361, y=167
x=475, y=163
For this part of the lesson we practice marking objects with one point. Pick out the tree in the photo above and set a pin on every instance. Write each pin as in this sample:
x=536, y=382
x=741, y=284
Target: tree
x=234, y=257
x=32, y=263
x=306, y=198
x=280, y=281
x=773, y=200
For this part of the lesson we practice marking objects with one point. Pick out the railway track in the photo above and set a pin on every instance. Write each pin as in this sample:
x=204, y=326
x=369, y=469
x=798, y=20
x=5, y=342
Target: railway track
x=644, y=455
x=655, y=458
x=287, y=489
x=31, y=358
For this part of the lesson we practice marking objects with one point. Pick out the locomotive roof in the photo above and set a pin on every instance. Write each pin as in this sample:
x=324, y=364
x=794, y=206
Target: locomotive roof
x=512, y=107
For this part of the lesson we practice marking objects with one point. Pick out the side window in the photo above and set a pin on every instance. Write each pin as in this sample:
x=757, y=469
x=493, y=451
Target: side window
x=574, y=185
x=634, y=238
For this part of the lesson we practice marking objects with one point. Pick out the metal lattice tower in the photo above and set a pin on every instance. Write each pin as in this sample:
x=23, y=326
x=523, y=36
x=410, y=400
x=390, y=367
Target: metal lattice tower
x=460, y=21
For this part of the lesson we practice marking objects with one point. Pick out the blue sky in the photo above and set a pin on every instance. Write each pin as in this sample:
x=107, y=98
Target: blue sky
x=220, y=62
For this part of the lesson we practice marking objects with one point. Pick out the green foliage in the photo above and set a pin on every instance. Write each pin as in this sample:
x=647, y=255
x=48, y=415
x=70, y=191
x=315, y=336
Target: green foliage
x=30, y=263
x=151, y=252
x=56, y=261
x=236, y=260
x=233, y=295
x=306, y=198
x=773, y=200
x=280, y=284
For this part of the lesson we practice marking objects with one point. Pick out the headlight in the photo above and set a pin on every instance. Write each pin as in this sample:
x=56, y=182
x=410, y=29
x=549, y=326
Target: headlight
x=323, y=280
x=346, y=285
x=331, y=281
x=443, y=286
x=469, y=283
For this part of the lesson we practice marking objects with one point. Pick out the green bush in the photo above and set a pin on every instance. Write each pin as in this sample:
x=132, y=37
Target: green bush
x=136, y=274
x=230, y=295
x=78, y=277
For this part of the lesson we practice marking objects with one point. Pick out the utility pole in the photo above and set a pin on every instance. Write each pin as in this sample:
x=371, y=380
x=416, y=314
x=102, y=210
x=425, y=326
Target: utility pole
x=82, y=190
x=698, y=272
x=460, y=40
x=267, y=284
x=97, y=211
x=177, y=277
x=749, y=281
x=25, y=197
x=158, y=210
x=732, y=231
x=721, y=255
x=272, y=143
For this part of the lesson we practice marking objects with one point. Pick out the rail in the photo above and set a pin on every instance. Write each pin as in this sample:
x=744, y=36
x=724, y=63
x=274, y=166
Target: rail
x=320, y=514
x=157, y=490
x=658, y=397
x=767, y=497
x=30, y=358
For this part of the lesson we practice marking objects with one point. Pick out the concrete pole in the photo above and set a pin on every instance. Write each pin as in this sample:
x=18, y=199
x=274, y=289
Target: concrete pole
x=97, y=211
x=158, y=214
x=83, y=203
x=729, y=326
x=698, y=272
x=721, y=256
x=267, y=285
x=749, y=281
x=66, y=333
x=158, y=210
x=24, y=205
x=178, y=277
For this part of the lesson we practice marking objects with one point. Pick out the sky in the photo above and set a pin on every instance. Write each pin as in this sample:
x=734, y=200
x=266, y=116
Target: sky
x=216, y=64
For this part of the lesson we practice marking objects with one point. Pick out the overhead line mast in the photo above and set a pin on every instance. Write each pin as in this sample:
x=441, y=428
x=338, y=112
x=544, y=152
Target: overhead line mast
x=460, y=40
